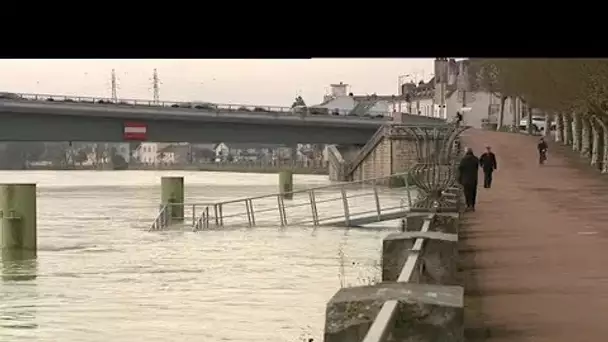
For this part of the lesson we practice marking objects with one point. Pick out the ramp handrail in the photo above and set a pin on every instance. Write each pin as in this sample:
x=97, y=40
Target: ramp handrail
x=214, y=214
x=367, y=148
x=335, y=159
x=162, y=219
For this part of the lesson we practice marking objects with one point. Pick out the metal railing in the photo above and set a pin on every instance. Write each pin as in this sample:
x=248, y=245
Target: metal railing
x=335, y=159
x=413, y=268
x=384, y=322
x=192, y=105
x=342, y=204
x=367, y=149
x=162, y=220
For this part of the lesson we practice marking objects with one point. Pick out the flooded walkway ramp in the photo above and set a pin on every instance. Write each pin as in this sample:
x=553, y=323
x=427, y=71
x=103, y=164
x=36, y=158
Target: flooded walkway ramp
x=343, y=204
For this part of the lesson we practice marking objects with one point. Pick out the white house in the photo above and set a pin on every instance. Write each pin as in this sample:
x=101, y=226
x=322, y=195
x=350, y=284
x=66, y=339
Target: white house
x=345, y=103
x=146, y=153
x=481, y=106
x=221, y=152
x=153, y=154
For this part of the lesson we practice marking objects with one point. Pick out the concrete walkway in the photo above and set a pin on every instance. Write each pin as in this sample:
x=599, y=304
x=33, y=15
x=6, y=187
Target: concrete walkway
x=537, y=246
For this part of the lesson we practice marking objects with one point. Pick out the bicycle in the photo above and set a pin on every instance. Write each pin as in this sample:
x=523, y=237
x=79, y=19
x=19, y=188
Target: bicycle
x=543, y=157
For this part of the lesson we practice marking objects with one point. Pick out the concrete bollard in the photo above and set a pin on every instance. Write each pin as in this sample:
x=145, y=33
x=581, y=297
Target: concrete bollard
x=439, y=258
x=425, y=312
x=172, y=191
x=286, y=184
x=18, y=220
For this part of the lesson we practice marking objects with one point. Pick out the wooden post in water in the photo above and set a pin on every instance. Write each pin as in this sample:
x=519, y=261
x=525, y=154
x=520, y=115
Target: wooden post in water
x=172, y=192
x=18, y=221
x=286, y=183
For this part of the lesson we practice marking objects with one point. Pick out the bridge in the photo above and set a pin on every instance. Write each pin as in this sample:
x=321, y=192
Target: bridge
x=41, y=117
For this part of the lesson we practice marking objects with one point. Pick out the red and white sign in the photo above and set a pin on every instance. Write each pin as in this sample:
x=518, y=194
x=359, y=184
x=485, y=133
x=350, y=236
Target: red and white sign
x=135, y=131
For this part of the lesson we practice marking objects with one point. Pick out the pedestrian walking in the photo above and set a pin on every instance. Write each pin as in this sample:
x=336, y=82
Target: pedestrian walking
x=467, y=176
x=458, y=119
x=488, y=164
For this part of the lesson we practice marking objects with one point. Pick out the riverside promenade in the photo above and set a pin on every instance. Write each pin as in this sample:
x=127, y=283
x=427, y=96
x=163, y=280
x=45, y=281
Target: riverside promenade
x=536, y=250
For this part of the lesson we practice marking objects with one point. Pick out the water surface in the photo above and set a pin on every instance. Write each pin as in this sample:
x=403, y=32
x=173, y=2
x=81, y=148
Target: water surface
x=101, y=276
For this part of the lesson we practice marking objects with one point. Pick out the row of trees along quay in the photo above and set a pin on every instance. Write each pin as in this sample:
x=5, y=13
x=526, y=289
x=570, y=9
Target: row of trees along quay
x=571, y=92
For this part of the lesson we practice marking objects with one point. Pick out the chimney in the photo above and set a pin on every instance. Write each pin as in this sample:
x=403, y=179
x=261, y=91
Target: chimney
x=407, y=88
x=339, y=90
x=441, y=65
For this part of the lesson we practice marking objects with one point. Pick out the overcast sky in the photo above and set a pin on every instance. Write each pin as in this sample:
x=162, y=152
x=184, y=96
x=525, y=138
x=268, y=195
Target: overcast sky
x=265, y=82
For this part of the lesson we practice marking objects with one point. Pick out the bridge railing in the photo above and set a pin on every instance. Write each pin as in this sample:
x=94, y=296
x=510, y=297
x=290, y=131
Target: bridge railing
x=214, y=107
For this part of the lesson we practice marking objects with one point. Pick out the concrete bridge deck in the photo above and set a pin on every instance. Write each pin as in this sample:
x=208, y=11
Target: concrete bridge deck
x=536, y=248
x=31, y=117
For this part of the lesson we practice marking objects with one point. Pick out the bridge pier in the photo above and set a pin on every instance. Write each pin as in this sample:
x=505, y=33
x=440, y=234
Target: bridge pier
x=18, y=221
x=172, y=194
x=286, y=184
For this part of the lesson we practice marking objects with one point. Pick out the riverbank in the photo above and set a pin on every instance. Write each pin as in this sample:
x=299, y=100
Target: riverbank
x=219, y=167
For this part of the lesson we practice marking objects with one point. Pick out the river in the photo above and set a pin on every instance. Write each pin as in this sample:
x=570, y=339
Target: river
x=101, y=276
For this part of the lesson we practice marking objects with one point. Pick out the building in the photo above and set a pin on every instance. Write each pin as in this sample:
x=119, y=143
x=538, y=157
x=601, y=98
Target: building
x=153, y=154
x=462, y=93
x=101, y=153
x=341, y=101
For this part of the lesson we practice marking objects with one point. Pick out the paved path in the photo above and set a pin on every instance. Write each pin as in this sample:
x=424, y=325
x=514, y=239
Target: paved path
x=540, y=241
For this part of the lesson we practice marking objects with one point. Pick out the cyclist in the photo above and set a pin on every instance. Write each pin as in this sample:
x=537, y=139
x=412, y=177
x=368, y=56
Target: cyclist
x=542, y=150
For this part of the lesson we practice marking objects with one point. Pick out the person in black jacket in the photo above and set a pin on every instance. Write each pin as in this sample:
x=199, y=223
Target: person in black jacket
x=467, y=176
x=487, y=161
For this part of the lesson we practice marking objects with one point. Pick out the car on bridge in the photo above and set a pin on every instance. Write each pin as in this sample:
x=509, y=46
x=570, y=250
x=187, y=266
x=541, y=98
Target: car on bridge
x=195, y=105
x=10, y=96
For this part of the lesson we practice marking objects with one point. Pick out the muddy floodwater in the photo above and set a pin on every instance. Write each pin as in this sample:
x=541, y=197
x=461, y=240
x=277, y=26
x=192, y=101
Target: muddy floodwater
x=101, y=276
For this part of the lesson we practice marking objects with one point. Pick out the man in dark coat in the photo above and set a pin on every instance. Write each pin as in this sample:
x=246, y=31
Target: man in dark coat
x=467, y=176
x=487, y=161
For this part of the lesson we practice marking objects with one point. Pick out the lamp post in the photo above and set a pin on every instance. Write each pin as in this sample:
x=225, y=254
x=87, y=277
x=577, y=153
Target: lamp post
x=400, y=82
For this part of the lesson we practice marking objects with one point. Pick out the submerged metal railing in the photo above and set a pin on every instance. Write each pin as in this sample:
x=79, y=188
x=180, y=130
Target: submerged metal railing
x=342, y=204
x=325, y=205
x=162, y=219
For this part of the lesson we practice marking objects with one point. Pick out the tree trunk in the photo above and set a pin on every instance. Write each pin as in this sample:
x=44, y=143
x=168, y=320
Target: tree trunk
x=559, y=127
x=596, y=134
x=548, y=120
x=586, y=137
x=604, y=166
x=515, y=122
x=600, y=142
x=567, y=121
x=576, y=132
x=530, y=127
x=501, y=114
